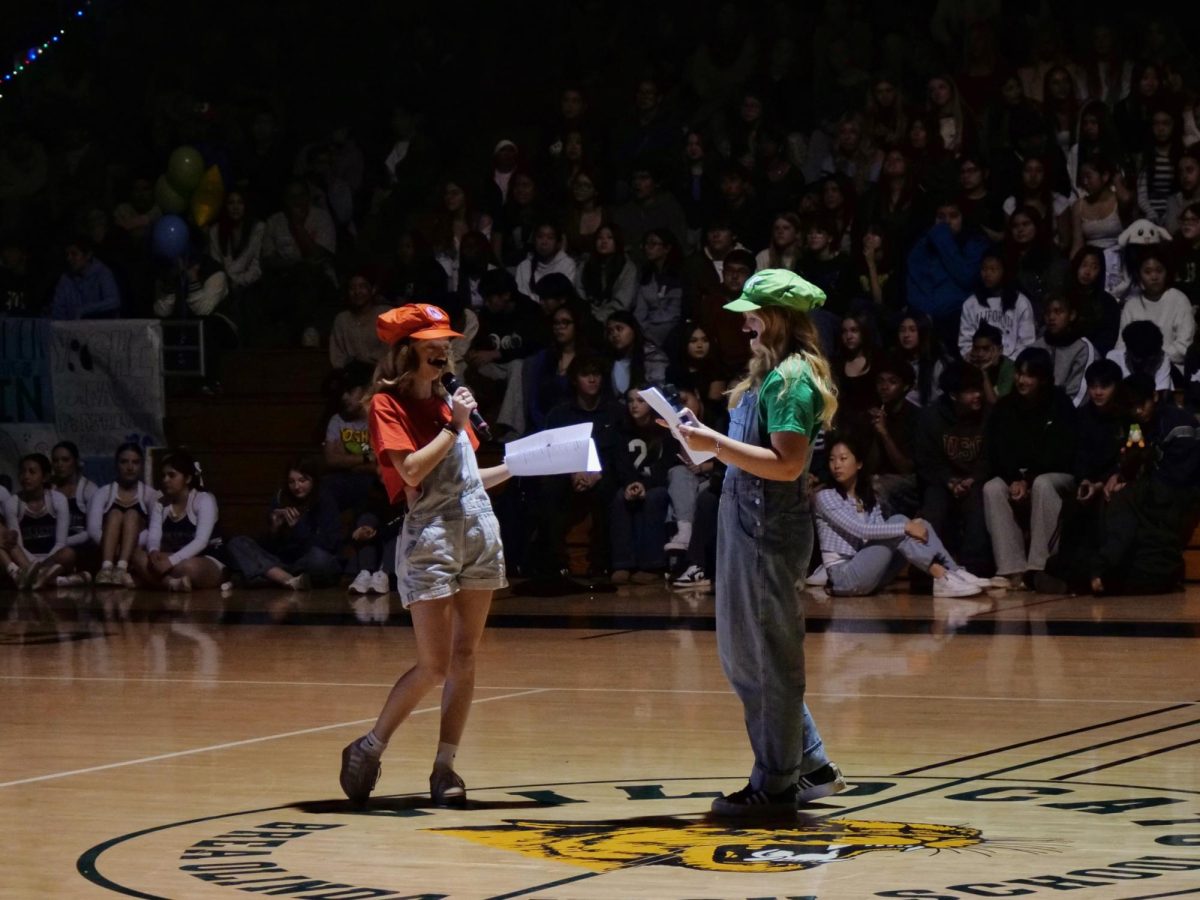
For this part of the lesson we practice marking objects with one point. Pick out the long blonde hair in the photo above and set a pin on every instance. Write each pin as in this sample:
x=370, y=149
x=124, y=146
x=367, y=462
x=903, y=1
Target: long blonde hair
x=789, y=343
x=394, y=373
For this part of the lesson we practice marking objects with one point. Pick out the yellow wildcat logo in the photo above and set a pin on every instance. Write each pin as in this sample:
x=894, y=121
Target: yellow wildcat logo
x=603, y=846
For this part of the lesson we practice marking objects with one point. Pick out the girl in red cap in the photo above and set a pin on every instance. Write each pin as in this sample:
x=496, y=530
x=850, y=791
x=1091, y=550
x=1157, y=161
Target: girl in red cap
x=449, y=559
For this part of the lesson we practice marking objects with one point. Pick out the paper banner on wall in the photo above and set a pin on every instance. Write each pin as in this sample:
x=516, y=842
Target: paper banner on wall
x=26, y=389
x=559, y=451
x=108, y=383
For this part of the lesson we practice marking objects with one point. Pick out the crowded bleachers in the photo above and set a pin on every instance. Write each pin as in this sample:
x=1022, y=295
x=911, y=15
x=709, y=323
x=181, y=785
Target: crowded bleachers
x=1000, y=201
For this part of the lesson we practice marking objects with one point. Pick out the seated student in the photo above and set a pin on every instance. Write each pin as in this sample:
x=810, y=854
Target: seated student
x=1102, y=427
x=180, y=542
x=349, y=464
x=1154, y=300
x=658, y=303
x=996, y=368
x=893, y=432
x=861, y=551
x=687, y=480
x=854, y=372
x=634, y=358
x=562, y=497
x=305, y=533
x=638, y=518
x=118, y=516
x=1141, y=351
x=917, y=343
x=607, y=279
x=951, y=462
x=547, y=256
x=38, y=519
x=87, y=289
x=512, y=327
x=70, y=481
x=942, y=268
x=1099, y=311
x=1150, y=510
x=353, y=337
x=1070, y=352
x=373, y=542
x=1031, y=441
x=999, y=302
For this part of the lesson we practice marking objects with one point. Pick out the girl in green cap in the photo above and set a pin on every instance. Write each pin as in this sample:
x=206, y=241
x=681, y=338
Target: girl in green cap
x=765, y=540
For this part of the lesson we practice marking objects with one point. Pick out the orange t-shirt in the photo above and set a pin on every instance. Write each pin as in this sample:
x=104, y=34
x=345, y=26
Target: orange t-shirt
x=406, y=424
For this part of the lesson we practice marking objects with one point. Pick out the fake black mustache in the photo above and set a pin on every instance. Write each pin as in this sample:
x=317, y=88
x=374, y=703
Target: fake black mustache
x=439, y=363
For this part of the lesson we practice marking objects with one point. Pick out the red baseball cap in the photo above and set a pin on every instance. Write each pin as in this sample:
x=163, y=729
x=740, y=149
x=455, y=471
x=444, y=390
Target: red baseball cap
x=421, y=321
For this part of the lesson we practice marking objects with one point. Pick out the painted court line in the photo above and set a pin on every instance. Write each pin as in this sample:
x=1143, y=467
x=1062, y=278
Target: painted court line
x=847, y=695
x=231, y=744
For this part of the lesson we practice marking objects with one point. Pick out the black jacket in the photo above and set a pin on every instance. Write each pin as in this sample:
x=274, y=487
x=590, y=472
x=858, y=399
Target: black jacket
x=1101, y=437
x=516, y=333
x=1038, y=439
x=946, y=446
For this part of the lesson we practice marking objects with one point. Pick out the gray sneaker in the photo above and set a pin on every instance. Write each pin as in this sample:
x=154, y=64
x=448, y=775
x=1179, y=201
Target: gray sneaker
x=360, y=772
x=824, y=782
x=446, y=787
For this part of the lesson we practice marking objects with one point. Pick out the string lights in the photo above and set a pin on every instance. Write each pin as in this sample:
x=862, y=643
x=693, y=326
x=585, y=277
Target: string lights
x=35, y=53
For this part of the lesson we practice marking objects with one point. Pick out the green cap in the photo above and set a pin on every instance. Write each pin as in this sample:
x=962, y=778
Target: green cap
x=777, y=287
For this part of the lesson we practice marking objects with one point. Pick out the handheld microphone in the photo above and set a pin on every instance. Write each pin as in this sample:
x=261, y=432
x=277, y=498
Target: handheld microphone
x=452, y=384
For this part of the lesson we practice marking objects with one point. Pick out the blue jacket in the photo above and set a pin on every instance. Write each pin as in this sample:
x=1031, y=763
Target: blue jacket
x=942, y=271
x=90, y=294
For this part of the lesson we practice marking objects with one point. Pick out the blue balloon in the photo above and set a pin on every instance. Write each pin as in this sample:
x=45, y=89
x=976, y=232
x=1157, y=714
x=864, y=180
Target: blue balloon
x=171, y=238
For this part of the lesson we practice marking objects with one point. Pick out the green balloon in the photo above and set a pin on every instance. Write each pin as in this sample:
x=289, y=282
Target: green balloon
x=169, y=200
x=185, y=169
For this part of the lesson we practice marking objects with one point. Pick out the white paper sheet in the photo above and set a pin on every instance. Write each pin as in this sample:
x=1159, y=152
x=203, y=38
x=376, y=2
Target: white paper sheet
x=667, y=413
x=559, y=451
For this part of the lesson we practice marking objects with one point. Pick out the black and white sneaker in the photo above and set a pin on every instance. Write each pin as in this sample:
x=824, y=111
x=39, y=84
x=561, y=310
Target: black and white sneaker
x=692, y=577
x=824, y=782
x=750, y=801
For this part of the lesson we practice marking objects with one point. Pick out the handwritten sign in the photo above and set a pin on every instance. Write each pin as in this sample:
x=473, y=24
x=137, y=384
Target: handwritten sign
x=108, y=383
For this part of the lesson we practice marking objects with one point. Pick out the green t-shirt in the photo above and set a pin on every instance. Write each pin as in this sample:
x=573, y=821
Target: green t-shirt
x=798, y=410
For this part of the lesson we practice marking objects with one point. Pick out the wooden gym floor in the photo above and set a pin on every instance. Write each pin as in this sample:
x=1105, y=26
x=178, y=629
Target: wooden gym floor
x=1017, y=745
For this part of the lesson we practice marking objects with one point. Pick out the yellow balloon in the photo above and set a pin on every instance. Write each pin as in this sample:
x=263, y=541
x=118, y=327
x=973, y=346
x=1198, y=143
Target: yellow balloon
x=208, y=197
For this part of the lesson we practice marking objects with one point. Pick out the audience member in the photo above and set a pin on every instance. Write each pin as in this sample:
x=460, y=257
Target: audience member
x=299, y=550
x=118, y=516
x=951, y=459
x=658, y=302
x=548, y=256
x=38, y=518
x=988, y=357
x=638, y=520
x=1031, y=440
x=87, y=290
x=943, y=268
x=353, y=338
x=1099, y=311
x=997, y=301
x=634, y=359
x=181, y=540
x=607, y=277
x=1153, y=299
x=1070, y=353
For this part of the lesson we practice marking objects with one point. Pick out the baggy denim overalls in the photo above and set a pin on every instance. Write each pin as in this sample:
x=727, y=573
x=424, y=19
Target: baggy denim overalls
x=764, y=541
x=451, y=539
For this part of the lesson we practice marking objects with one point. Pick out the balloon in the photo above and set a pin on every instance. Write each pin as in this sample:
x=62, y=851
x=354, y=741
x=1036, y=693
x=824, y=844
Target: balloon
x=170, y=238
x=185, y=168
x=208, y=197
x=168, y=199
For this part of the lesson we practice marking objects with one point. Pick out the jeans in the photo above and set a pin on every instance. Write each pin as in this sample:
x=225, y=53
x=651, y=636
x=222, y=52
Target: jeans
x=879, y=562
x=248, y=557
x=684, y=487
x=639, y=531
x=764, y=541
x=1045, y=509
x=702, y=549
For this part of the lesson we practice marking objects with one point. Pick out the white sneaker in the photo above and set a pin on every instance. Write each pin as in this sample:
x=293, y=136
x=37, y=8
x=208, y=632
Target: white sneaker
x=947, y=586
x=999, y=582
x=818, y=578
x=361, y=583
x=380, y=583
